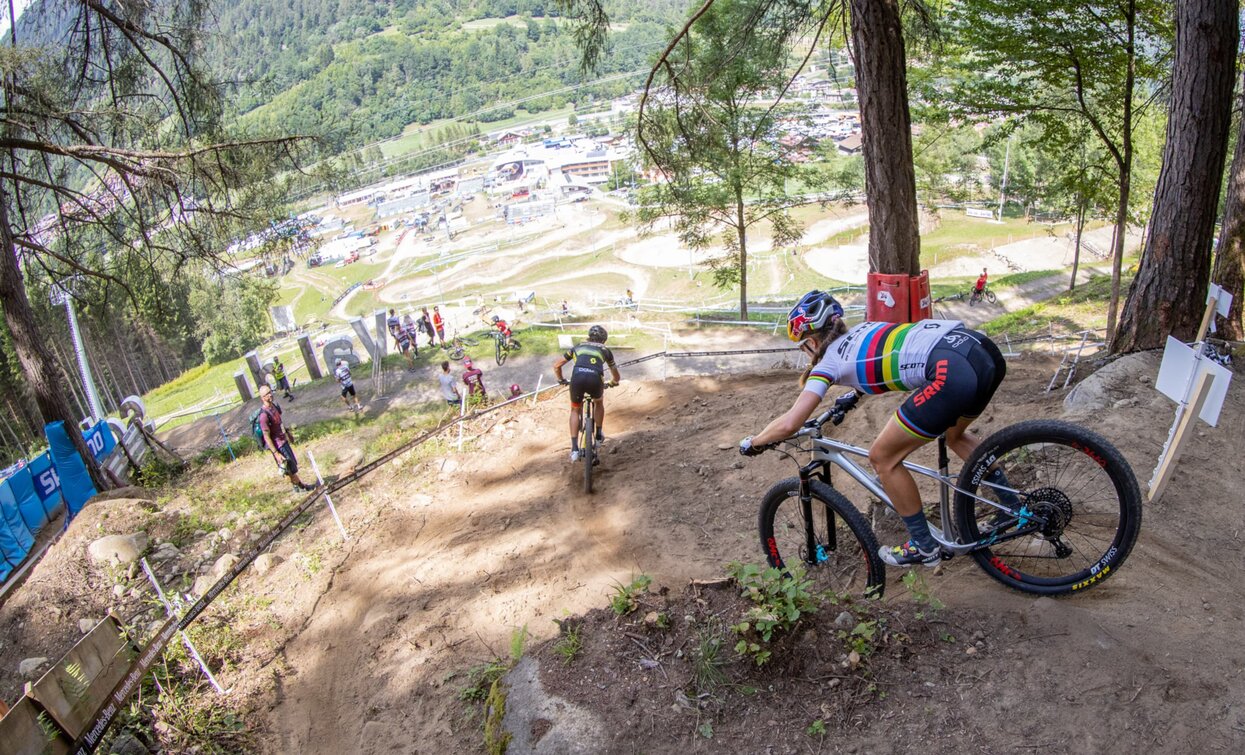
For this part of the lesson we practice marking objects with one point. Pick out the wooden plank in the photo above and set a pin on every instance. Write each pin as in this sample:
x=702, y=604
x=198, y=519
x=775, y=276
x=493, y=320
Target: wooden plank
x=100, y=659
x=21, y=734
x=1182, y=430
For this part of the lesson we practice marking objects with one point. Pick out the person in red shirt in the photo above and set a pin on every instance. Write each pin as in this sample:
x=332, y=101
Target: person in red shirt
x=474, y=378
x=981, y=281
x=503, y=328
x=438, y=323
x=278, y=441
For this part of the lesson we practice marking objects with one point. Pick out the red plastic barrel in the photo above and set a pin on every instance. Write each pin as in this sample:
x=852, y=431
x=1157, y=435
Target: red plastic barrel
x=919, y=299
x=887, y=298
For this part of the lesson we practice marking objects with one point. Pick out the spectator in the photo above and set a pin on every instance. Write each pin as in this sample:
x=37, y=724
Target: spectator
x=425, y=324
x=278, y=374
x=342, y=373
x=277, y=440
x=449, y=391
x=566, y=310
x=438, y=323
x=515, y=390
x=474, y=378
x=394, y=327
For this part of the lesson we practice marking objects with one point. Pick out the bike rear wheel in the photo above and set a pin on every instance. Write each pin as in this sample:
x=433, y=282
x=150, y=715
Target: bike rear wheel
x=1072, y=479
x=587, y=451
x=831, y=540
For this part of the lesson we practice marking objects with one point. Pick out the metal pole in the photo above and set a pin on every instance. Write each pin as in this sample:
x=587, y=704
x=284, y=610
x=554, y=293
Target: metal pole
x=462, y=412
x=88, y=382
x=225, y=437
x=332, y=509
x=539, y=380
x=170, y=610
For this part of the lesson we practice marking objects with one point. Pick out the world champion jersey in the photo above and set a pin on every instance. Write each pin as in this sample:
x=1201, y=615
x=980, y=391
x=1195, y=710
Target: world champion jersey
x=876, y=357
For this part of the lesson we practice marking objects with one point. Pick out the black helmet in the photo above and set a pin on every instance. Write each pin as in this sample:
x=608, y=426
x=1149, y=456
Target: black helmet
x=597, y=334
x=496, y=318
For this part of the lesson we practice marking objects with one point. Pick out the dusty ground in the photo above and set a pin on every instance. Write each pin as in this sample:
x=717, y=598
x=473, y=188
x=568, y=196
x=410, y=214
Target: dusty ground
x=451, y=553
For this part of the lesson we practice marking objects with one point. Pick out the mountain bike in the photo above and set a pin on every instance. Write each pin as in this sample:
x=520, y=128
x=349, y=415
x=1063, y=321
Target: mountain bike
x=985, y=293
x=1065, y=519
x=504, y=346
x=457, y=347
x=588, y=445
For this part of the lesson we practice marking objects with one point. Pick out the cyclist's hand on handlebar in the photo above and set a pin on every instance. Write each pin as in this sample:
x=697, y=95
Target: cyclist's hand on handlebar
x=847, y=401
x=747, y=449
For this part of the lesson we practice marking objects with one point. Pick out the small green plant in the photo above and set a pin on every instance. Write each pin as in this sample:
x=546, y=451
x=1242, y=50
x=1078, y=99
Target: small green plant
x=861, y=637
x=480, y=680
x=780, y=600
x=705, y=730
x=816, y=729
x=919, y=588
x=570, y=643
x=624, y=599
x=517, y=642
x=496, y=738
x=663, y=620
x=707, y=660
x=157, y=472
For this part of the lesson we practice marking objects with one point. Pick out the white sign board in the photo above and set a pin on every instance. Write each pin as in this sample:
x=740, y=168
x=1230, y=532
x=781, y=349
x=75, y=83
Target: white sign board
x=1177, y=374
x=979, y=212
x=1223, y=302
x=283, y=318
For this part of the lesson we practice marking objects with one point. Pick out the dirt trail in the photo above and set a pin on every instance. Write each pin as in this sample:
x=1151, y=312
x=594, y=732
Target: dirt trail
x=467, y=548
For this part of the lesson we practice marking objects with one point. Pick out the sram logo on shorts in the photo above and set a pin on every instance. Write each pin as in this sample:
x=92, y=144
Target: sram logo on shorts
x=940, y=379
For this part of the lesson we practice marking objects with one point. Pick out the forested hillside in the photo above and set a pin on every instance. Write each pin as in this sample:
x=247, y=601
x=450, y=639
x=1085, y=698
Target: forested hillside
x=360, y=71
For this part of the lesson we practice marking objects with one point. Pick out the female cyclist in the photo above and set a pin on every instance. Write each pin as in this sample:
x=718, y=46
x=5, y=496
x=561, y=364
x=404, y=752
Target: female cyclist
x=952, y=373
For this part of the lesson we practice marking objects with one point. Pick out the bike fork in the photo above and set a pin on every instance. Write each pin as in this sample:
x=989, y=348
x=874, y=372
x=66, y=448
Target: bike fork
x=814, y=552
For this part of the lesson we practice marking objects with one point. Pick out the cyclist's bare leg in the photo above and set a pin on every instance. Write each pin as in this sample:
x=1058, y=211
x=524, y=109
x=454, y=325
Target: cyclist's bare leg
x=887, y=454
x=577, y=418
x=960, y=442
x=598, y=415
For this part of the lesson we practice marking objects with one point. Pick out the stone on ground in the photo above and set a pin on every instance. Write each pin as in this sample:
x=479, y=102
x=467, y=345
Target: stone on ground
x=118, y=549
x=567, y=727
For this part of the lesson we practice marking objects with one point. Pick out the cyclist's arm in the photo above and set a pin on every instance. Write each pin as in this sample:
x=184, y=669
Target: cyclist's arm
x=557, y=367
x=614, y=376
x=788, y=423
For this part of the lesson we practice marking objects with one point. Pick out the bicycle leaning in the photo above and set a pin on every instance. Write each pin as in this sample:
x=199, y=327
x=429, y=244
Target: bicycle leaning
x=457, y=347
x=1068, y=523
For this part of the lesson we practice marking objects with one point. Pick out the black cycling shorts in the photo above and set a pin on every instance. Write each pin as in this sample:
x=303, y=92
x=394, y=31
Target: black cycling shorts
x=586, y=382
x=348, y=390
x=291, y=461
x=963, y=371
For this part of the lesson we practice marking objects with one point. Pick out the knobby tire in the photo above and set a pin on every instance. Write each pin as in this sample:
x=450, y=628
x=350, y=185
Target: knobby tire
x=587, y=451
x=1078, y=482
x=851, y=566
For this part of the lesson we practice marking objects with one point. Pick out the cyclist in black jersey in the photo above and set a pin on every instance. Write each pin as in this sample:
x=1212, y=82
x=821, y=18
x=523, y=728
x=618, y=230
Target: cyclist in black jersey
x=588, y=378
x=951, y=371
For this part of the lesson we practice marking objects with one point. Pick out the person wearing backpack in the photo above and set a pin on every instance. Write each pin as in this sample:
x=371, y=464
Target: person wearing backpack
x=275, y=438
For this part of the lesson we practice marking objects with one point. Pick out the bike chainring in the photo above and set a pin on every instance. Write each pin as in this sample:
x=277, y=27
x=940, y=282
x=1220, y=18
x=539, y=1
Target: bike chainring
x=1052, y=506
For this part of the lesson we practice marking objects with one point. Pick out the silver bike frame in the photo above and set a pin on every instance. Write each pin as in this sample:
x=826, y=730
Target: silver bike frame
x=837, y=453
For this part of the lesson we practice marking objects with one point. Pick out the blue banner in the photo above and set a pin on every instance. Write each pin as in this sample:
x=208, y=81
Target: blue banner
x=76, y=485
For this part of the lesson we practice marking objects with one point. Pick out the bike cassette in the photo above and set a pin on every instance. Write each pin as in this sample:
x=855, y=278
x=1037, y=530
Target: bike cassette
x=1053, y=507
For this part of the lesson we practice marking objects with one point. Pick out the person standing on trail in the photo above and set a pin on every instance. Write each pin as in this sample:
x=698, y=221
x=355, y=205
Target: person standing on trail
x=342, y=375
x=588, y=379
x=952, y=372
x=278, y=374
x=277, y=440
x=438, y=323
x=474, y=378
x=425, y=324
x=449, y=391
x=394, y=326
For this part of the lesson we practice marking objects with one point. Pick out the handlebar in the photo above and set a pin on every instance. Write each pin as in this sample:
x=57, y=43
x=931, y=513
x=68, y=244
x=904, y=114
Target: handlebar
x=834, y=415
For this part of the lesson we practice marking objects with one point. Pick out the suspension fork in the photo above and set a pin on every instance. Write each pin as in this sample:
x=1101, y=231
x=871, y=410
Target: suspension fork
x=813, y=551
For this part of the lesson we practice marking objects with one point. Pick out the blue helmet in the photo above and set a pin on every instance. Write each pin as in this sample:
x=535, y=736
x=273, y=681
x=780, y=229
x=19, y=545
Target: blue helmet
x=811, y=314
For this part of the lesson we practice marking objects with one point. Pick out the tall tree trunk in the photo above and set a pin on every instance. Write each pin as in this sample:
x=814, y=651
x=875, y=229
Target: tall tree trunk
x=1125, y=165
x=123, y=351
x=742, y=230
x=1169, y=293
x=886, y=137
x=1080, y=226
x=32, y=350
x=1230, y=255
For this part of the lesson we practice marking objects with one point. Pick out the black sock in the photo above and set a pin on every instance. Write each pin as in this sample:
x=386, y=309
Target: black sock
x=575, y=443
x=918, y=530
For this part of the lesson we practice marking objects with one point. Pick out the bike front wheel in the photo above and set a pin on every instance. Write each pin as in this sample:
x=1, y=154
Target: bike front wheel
x=828, y=537
x=457, y=353
x=990, y=297
x=500, y=353
x=1076, y=492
